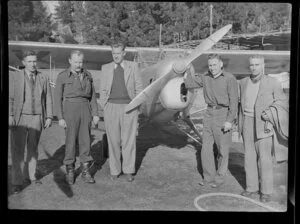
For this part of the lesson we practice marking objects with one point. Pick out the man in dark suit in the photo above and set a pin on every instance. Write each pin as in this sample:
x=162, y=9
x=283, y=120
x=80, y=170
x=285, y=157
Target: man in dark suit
x=30, y=109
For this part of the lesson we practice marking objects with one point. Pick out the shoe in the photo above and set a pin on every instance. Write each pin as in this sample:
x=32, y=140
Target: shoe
x=16, y=189
x=36, y=182
x=70, y=176
x=265, y=198
x=114, y=177
x=249, y=193
x=85, y=175
x=213, y=184
x=219, y=179
x=26, y=182
x=129, y=177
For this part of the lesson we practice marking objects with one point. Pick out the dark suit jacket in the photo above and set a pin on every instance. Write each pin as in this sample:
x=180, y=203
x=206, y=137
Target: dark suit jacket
x=17, y=96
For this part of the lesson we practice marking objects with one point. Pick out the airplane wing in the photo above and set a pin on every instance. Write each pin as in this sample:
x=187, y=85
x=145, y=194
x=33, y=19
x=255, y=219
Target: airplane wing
x=57, y=54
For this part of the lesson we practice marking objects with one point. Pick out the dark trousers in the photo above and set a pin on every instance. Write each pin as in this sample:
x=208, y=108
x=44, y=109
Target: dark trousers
x=78, y=118
x=214, y=120
x=24, y=148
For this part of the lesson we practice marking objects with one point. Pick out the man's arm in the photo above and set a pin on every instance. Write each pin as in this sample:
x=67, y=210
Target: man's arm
x=95, y=111
x=58, y=97
x=192, y=79
x=232, y=88
x=11, y=93
x=137, y=80
x=49, y=102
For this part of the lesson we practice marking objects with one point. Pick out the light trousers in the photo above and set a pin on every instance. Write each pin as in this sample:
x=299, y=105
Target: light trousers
x=258, y=159
x=212, y=133
x=24, y=148
x=121, y=129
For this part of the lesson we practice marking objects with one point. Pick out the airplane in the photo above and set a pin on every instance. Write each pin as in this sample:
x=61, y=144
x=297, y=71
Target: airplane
x=164, y=97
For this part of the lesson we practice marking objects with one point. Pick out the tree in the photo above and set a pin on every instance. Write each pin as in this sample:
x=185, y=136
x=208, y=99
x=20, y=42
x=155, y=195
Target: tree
x=27, y=21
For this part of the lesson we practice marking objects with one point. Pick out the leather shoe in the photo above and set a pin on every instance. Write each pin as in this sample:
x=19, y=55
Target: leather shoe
x=26, y=182
x=129, y=177
x=16, y=189
x=36, y=182
x=265, y=198
x=114, y=177
x=249, y=194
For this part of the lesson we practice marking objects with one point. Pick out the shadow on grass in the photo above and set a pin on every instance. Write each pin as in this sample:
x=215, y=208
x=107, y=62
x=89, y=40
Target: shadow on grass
x=236, y=168
x=151, y=135
x=54, y=163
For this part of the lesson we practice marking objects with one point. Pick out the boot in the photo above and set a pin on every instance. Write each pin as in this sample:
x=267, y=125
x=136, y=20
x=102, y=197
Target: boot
x=85, y=174
x=70, y=176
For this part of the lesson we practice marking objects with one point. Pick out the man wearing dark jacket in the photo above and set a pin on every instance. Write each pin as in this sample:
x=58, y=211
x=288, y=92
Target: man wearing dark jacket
x=75, y=89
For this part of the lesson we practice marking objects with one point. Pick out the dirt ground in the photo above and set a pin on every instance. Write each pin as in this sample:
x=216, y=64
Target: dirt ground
x=167, y=177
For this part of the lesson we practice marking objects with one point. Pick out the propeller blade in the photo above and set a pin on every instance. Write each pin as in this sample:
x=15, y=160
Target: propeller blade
x=171, y=68
x=150, y=91
x=207, y=44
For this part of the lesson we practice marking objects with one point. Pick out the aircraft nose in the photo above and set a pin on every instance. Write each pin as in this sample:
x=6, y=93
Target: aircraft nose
x=179, y=67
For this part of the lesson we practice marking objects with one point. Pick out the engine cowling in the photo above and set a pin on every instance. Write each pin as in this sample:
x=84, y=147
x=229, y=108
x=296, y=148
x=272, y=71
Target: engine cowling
x=174, y=95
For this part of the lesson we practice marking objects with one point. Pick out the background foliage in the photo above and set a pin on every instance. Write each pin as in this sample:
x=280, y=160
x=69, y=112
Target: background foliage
x=94, y=22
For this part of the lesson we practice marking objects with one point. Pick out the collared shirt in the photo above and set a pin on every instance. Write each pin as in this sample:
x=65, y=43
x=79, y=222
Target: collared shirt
x=221, y=90
x=122, y=65
x=69, y=86
x=32, y=73
x=220, y=73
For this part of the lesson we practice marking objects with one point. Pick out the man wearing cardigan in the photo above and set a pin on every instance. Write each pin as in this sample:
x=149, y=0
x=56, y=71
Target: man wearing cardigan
x=120, y=83
x=30, y=103
x=257, y=93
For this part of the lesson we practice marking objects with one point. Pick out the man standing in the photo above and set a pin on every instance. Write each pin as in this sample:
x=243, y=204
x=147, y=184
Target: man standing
x=220, y=91
x=120, y=83
x=30, y=103
x=74, y=88
x=257, y=93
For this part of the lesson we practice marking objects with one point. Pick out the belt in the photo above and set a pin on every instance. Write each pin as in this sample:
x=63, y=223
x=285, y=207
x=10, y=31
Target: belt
x=216, y=107
x=77, y=99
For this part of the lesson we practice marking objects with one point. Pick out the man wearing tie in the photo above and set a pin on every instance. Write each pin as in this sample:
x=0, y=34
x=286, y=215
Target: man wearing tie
x=119, y=84
x=30, y=109
x=75, y=105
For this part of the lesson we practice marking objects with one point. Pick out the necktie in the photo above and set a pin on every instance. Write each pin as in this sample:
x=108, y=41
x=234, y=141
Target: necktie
x=31, y=79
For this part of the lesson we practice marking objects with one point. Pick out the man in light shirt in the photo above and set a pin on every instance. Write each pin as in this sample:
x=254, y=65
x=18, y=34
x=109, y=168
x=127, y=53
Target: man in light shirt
x=257, y=93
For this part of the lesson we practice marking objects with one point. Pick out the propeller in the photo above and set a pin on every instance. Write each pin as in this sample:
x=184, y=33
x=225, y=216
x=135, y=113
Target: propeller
x=168, y=69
